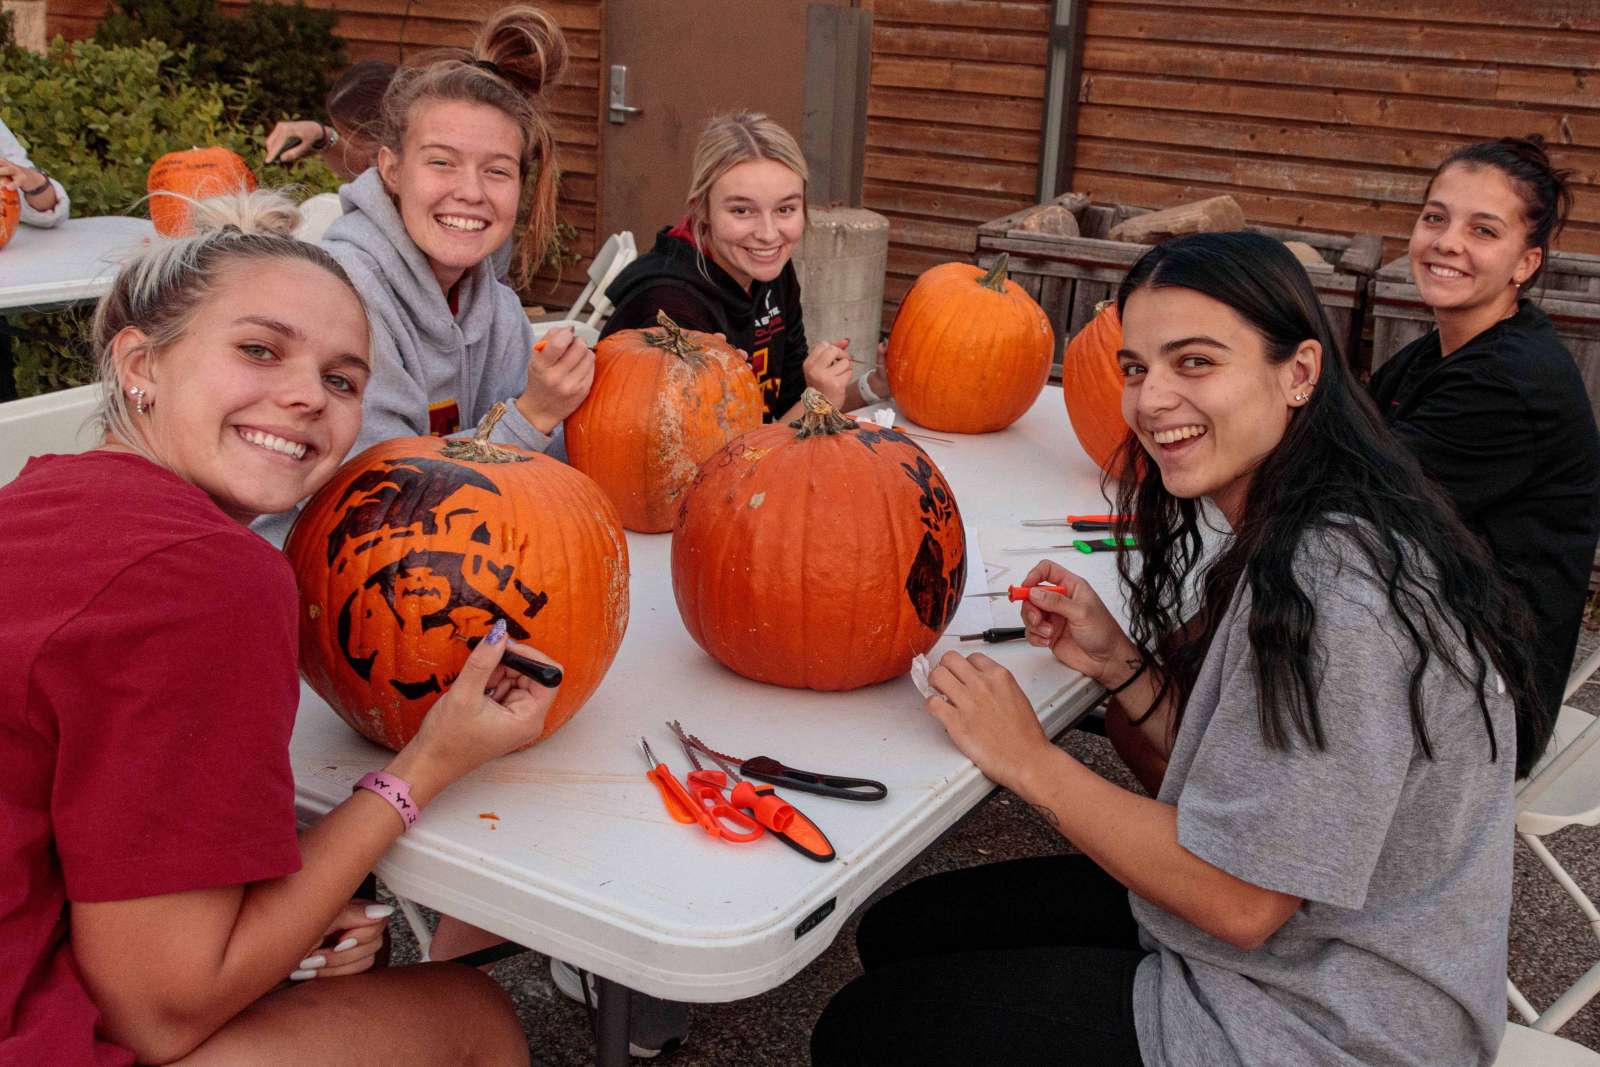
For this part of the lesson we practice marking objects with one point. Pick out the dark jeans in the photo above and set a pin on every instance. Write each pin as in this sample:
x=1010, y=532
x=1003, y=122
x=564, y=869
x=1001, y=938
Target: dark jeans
x=1030, y=961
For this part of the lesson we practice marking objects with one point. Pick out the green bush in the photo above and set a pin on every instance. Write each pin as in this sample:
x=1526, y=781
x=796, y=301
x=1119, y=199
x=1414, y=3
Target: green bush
x=96, y=118
x=280, y=55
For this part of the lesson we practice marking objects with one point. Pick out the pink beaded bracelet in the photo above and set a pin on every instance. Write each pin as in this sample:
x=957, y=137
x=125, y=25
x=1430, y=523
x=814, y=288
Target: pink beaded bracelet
x=395, y=790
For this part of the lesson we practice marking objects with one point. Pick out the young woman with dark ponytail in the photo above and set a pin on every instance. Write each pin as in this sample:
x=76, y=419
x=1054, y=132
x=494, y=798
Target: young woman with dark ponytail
x=1491, y=402
x=1322, y=874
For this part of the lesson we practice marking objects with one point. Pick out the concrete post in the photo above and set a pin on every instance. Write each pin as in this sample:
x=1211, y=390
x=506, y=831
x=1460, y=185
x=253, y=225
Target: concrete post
x=841, y=264
x=28, y=22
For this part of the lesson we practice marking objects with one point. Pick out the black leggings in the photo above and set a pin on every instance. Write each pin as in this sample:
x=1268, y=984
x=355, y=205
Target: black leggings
x=1029, y=961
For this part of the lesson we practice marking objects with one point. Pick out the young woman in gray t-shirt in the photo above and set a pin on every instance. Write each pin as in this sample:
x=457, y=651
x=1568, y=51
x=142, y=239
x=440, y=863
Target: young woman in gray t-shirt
x=1322, y=873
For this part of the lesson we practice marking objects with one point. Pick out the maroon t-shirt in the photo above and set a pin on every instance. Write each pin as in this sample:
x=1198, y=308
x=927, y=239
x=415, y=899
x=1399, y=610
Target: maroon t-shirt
x=147, y=695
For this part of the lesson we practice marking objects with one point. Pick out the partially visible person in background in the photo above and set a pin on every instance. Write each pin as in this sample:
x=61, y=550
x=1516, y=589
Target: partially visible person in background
x=347, y=140
x=44, y=201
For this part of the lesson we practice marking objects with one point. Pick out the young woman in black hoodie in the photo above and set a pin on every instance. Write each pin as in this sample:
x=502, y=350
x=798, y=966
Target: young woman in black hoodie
x=726, y=267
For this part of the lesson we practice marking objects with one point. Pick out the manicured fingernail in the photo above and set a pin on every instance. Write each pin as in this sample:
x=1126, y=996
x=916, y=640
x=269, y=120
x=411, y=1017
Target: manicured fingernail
x=311, y=963
x=348, y=942
x=379, y=911
x=497, y=633
x=301, y=976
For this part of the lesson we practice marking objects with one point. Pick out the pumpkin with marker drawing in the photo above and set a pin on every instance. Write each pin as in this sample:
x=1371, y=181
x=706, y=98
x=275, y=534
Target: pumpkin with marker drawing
x=823, y=554
x=10, y=212
x=195, y=174
x=663, y=400
x=970, y=350
x=1091, y=381
x=420, y=543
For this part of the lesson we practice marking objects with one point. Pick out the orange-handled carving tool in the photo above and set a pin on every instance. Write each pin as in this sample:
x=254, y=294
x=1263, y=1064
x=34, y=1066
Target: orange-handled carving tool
x=1018, y=592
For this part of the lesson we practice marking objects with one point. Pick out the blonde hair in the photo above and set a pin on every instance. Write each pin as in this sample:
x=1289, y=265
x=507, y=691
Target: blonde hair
x=519, y=52
x=727, y=141
x=160, y=291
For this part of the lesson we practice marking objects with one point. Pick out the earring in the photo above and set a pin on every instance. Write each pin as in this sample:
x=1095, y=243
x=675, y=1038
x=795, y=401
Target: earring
x=1302, y=397
x=140, y=405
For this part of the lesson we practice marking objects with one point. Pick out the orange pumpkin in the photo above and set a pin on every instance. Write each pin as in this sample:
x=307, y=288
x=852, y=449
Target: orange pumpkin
x=10, y=211
x=1091, y=381
x=820, y=555
x=196, y=173
x=970, y=350
x=422, y=542
x=663, y=400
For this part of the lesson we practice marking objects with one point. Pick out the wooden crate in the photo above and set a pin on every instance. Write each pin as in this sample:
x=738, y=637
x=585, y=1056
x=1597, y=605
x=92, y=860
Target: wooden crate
x=1070, y=275
x=1568, y=291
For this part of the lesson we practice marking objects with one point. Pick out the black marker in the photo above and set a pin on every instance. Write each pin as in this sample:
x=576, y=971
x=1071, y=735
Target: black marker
x=546, y=674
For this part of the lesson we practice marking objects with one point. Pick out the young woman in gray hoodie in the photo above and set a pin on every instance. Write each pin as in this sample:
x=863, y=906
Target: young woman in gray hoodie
x=464, y=142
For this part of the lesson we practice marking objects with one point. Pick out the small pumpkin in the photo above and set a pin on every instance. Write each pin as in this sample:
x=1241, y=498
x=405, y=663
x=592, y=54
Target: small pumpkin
x=824, y=554
x=1091, y=381
x=195, y=173
x=422, y=542
x=663, y=400
x=970, y=350
x=10, y=212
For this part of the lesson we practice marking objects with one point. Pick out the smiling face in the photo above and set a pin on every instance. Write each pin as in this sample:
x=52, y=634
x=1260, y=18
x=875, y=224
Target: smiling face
x=756, y=215
x=259, y=400
x=1469, y=246
x=1201, y=394
x=458, y=177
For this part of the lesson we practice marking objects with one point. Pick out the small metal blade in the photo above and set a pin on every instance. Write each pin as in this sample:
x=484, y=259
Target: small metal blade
x=988, y=596
x=1045, y=522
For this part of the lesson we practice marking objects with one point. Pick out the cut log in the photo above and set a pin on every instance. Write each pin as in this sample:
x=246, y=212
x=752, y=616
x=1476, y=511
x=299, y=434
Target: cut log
x=1051, y=219
x=1305, y=253
x=1203, y=216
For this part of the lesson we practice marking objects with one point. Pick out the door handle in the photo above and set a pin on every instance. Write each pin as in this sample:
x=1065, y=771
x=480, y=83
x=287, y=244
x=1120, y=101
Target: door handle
x=618, y=109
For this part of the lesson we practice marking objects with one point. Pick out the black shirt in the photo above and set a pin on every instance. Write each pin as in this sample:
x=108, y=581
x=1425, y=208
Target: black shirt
x=765, y=322
x=1504, y=425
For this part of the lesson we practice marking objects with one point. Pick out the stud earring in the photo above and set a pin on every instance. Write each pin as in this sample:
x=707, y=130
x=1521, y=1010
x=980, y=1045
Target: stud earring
x=1304, y=395
x=140, y=405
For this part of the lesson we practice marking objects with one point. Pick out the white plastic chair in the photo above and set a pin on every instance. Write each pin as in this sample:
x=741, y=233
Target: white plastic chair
x=54, y=422
x=1563, y=790
x=1523, y=1047
x=617, y=252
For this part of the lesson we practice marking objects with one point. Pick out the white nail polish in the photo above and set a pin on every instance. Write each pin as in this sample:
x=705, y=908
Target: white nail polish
x=311, y=963
x=301, y=976
x=348, y=942
x=379, y=911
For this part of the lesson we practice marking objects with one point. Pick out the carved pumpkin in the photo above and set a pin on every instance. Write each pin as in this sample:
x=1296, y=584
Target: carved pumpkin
x=663, y=400
x=820, y=555
x=10, y=212
x=1091, y=381
x=422, y=542
x=970, y=350
x=196, y=173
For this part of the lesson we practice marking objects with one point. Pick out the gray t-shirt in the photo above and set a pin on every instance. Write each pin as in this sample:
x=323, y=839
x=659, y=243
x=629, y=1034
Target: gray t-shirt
x=1398, y=953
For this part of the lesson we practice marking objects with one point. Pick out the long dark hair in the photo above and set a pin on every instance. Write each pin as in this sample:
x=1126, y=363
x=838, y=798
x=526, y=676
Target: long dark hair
x=1337, y=470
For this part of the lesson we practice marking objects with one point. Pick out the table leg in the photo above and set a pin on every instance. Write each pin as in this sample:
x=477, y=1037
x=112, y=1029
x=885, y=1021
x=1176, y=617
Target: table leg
x=611, y=1025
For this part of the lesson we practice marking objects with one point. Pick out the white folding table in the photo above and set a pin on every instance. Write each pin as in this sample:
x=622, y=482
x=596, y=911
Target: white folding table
x=76, y=260
x=565, y=848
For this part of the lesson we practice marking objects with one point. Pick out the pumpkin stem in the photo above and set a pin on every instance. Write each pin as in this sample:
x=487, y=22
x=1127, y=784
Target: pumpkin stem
x=819, y=420
x=996, y=277
x=478, y=448
x=670, y=338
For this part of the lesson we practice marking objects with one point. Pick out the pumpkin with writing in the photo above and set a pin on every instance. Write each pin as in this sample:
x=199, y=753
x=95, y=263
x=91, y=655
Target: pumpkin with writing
x=663, y=400
x=970, y=350
x=420, y=543
x=824, y=554
x=1091, y=381
x=10, y=212
x=195, y=174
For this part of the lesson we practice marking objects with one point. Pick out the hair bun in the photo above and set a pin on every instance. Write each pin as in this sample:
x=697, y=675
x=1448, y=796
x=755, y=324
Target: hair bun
x=247, y=213
x=525, y=45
